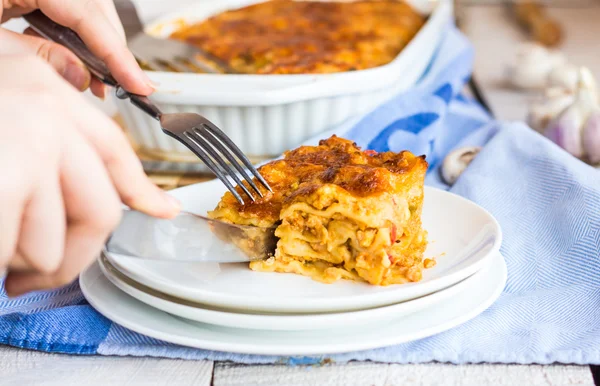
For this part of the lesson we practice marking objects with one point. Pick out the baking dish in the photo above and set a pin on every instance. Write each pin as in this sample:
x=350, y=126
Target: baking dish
x=268, y=114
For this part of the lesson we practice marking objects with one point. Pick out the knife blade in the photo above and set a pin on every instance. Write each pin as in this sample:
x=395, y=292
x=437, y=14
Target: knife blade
x=189, y=238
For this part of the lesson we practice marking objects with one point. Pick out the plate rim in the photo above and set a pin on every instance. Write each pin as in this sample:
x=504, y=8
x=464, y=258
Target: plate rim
x=284, y=350
x=225, y=300
x=299, y=322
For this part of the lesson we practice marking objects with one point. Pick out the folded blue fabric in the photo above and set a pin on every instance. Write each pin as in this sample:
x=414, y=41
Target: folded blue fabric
x=547, y=203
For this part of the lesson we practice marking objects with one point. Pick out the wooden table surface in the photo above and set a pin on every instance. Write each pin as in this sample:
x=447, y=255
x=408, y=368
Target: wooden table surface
x=494, y=36
x=19, y=367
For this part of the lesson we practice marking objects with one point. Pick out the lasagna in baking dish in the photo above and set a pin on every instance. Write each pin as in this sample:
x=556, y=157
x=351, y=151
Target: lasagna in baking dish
x=340, y=213
x=294, y=37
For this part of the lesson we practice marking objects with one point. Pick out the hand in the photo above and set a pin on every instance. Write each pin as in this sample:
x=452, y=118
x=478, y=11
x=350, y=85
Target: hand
x=65, y=169
x=97, y=23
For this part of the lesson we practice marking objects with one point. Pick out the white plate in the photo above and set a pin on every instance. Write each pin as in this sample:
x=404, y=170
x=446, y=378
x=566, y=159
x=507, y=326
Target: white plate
x=137, y=316
x=462, y=237
x=284, y=322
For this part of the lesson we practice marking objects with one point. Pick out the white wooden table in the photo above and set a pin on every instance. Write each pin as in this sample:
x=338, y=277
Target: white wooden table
x=493, y=36
x=18, y=367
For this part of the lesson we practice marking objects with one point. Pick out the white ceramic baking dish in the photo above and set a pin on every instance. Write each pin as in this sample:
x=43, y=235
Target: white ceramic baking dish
x=268, y=114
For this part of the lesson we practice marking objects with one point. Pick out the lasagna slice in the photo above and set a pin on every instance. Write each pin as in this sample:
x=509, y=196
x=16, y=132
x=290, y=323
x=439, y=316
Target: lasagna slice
x=340, y=213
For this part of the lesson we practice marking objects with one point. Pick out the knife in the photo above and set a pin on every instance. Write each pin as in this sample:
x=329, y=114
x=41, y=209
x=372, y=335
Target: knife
x=189, y=238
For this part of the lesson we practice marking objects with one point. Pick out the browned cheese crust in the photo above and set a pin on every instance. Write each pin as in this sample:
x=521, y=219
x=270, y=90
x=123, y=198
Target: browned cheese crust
x=295, y=37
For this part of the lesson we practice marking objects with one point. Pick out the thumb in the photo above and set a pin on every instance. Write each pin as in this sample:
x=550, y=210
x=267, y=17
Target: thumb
x=64, y=61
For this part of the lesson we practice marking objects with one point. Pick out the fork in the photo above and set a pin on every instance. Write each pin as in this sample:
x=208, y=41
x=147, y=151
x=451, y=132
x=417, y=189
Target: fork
x=197, y=133
x=164, y=54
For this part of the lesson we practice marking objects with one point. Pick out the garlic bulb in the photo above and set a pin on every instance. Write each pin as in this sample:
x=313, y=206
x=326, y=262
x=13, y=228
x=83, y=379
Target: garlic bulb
x=566, y=130
x=564, y=76
x=554, y=102
x=591, y=137
x=456, y=162
x=532, y=66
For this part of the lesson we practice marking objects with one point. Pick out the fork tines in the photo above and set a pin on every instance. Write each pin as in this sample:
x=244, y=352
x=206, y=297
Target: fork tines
x=221, y=155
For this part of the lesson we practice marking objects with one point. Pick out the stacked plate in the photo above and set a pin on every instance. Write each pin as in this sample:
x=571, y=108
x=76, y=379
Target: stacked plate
x=228, y=307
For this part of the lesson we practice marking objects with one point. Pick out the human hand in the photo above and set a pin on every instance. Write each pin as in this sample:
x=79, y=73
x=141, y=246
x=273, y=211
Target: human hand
x=97, y=23
x=65, y=169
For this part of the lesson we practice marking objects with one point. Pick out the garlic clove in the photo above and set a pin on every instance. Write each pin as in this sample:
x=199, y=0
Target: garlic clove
x=564, y=76
x=541, y=113
x=586, y=98
x=532, y=65
x=456, y=162
x=586, y=77
x=566, y=130
x=587, y=81
x=591, y=137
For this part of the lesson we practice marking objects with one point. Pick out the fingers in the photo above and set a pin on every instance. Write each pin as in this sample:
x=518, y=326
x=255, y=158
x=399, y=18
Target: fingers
x=60, y=58
x=13, y=195
x=10, y=13
x=93, y=210
x=88, y=19
x=32, y=218
x=94, y=165
x=107, y=6
x=109, y=141
x=98, y=88
x=19, y=264
x=19, y=179
x=109, y=9
x=123, y=166
x=42, y=235
x=98, y=24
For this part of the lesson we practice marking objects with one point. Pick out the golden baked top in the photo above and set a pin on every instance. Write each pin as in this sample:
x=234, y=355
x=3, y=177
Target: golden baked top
x=334, y=161
x=293, y=37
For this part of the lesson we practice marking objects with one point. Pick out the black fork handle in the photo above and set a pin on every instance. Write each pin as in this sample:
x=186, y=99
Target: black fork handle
x=69, y=38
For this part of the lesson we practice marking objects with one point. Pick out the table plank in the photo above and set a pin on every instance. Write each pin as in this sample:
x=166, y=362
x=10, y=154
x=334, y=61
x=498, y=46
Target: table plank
x=23, y=367
x=390, y=374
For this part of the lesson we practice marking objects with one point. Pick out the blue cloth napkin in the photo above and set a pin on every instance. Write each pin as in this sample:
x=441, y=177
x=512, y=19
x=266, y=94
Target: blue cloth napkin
x=547, y=202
